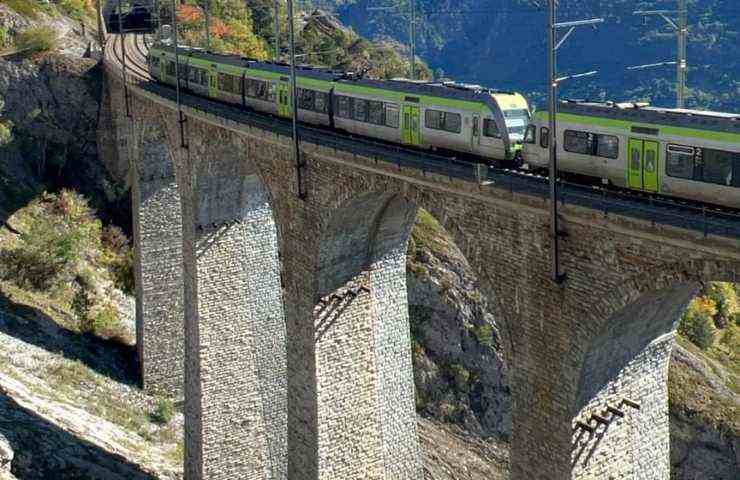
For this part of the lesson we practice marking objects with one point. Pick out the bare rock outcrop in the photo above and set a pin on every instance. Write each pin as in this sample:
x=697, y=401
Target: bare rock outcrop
x=459, y=370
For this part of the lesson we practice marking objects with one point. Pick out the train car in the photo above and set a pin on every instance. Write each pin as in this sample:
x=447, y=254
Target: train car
x=450, y=116
x=688, y=154
x=262, y=86
x=462, y=118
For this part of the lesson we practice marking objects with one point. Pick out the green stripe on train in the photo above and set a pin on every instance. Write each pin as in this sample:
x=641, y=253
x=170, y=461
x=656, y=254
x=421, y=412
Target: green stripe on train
x=425, y=100
x=627, y=127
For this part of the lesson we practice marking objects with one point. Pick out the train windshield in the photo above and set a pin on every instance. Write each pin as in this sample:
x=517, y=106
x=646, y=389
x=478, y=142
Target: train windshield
x=516, y=122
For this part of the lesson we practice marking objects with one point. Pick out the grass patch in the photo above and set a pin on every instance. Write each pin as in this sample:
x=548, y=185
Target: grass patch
x=31, y=9
x=428, y=233
x=163, y=412
x=484, y=335
x=37, y=40
x=77, y=9
x=691, y=395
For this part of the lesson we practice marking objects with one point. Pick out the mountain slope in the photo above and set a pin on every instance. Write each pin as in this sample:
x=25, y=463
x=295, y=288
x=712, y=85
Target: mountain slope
x=502, y=43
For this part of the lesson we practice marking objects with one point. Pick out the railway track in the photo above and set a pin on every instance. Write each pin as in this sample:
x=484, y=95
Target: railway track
x=135, y=63
x=137, y=47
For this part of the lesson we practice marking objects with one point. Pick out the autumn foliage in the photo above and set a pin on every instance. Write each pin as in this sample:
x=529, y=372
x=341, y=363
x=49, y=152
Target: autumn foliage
x=230, y=28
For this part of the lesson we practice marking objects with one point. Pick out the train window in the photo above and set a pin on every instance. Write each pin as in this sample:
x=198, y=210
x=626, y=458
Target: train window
x=607, y=146
x=718, y=167
x=256, y=89
x=594, y=144
x=171, y=69
x=306, y=99
x=229, y=83
x=392, y=115
x=545, y=137
x=432, y=120
x=322, y=101
x=375, y=113
x=649, y=161
x=343, y=107
x=490, y=129
x=359, y=113
x=531, y=135
x=271, y=89
x=453, y=122
x=680, y=161
x=250, y=88
x=446, y=121
x=578, y=142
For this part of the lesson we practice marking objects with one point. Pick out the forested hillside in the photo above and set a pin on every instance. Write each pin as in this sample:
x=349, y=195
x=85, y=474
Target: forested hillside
x=502, y=43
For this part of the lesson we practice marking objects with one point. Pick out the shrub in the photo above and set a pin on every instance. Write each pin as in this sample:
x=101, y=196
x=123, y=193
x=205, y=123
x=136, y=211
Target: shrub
x=460, y=376
x=106, y=323
x=28, y=8
x=75, y=8
x=6, y=134
x=58, y=232
x=163, y=412
x=119, y=258
x=725, y=300
x=696, y=325
x=4, y=36
x=484, y=335
x=37, y=40
x=82, y=303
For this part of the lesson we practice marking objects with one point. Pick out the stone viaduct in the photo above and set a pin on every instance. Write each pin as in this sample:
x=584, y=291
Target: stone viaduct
x=284, y=321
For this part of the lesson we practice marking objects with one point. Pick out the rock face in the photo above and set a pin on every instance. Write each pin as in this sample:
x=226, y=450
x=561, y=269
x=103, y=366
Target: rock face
x=52, y=105
x=73, y=36
x=6, y=455
x=459, y=370
x=702, y=447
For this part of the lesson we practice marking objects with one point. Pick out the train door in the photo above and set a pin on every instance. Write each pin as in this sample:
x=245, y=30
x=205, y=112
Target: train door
x=283, y=97
x=475, y=134
x=163, y=61
x=411, y=125
x=642, y=165
x=213, y=82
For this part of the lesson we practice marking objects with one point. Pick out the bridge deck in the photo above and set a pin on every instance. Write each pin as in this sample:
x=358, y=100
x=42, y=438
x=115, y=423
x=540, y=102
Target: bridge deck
x=665, y=212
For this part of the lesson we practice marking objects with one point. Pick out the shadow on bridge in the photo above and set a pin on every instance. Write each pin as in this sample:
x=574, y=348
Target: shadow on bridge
x=111, y=358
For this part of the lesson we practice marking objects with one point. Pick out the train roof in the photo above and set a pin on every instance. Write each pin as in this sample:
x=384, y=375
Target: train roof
x=243, y=62
x=644, y=113
x=453, y=90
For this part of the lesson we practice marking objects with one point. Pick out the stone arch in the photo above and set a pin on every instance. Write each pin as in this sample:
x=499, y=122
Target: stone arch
x=157, y=228
x=364, y=382
x=624, y=364
x=363, y=339
x=235, y=369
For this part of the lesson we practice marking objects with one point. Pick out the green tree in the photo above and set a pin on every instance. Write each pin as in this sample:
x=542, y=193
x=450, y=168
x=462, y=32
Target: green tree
x=696, y=325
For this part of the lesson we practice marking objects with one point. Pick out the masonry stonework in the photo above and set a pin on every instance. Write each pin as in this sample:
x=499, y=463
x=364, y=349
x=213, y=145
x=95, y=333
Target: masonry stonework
x=628, y=361
x=158, y=269
x=344, y=235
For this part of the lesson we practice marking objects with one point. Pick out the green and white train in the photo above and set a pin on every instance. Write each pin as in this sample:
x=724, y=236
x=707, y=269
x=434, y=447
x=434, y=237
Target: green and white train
x=686, y=154
x=469, y=119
